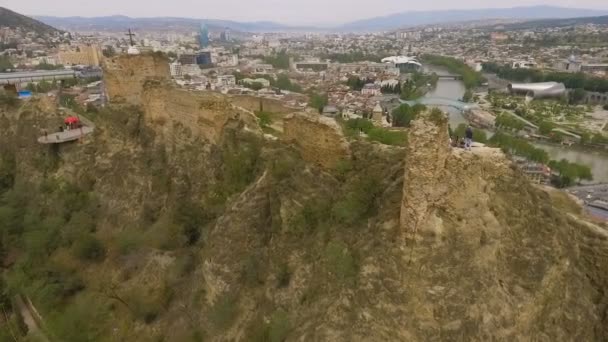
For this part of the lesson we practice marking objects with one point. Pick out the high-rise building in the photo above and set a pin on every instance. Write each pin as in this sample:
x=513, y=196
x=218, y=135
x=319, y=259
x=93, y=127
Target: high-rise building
x=204, y=58
x=203, y=38
x=176, y=69
x=225, y=35
x=186, y=58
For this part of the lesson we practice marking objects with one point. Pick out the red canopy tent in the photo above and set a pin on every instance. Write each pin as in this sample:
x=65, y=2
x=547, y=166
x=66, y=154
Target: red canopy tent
x=71, y=120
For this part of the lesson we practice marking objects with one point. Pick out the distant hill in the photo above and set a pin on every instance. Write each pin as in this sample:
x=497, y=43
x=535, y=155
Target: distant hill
x=601, y=20
x=15, y=20
x=391, y=22
x=415, y=18
x=121, y=23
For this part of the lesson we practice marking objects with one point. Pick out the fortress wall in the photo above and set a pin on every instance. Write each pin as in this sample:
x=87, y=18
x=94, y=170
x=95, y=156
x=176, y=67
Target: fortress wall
x=319, y=139
x=126, y=75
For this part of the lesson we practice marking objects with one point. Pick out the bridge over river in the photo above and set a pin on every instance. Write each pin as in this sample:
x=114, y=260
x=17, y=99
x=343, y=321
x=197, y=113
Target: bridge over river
x=450, y=77
x=441, y=102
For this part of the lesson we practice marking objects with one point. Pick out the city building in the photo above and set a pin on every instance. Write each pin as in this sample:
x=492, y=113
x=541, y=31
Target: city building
x=264, y=82
x=599, y=69
x=263, y=69
x=535, y=172
x=200, y=58
x=524, y=65
x=176, y=69
x=204, y=58
x=225, y=35
x=190, y=69
x=187, y=58
x=310, y=65
x=371, y=89
x=330, y=111
x=404, y=63
x=570, y=65
x=226, y=80
x=203, y=38
x=538, y=90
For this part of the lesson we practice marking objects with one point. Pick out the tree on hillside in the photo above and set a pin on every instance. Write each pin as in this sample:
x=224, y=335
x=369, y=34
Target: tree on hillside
x=254, y=85
x=318, y=101
x=570, y=172
x=404, y=114
x=576, y=96
x=284, y=83
x=279, y=61
x=545, y=127
x=468, y=96
x=5, y=64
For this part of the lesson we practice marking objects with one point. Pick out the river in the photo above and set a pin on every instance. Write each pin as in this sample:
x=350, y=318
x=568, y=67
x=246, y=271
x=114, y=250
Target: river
x=454, y=89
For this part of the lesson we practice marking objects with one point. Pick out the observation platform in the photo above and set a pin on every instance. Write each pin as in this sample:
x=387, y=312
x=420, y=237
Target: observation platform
x=65, y=136
x=69, y=135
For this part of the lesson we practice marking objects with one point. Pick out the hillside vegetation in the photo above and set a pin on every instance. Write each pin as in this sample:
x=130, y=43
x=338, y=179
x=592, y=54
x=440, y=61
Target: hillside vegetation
x=133, y=235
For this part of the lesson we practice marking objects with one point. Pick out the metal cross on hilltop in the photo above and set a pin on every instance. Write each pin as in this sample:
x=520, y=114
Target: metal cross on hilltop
x=130, y=34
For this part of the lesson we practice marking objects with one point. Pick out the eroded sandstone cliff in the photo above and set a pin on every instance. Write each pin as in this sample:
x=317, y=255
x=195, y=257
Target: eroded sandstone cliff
x=319, y=139
x=125, y=75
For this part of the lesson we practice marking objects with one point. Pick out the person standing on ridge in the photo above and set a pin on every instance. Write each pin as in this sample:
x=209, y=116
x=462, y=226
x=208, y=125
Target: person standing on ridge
x=468, y=140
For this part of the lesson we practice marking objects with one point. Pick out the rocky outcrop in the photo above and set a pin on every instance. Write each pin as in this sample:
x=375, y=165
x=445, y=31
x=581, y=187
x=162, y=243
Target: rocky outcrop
x=253, y=103
x=200, y=114
x=175, y=114
x=319, y=139
x=490, y=257
x=126, y=75
x=425, y=170
x=298, y=250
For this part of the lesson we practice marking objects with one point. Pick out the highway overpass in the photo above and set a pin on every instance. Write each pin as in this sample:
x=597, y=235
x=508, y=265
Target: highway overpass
x=35, y=76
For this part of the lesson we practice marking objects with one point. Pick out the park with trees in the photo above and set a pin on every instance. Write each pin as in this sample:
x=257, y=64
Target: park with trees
x=470, y=77
x=404, y=114
x=576, y=80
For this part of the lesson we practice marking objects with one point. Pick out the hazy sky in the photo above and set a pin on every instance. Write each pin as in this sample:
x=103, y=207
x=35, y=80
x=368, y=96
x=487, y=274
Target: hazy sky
x=283, y=11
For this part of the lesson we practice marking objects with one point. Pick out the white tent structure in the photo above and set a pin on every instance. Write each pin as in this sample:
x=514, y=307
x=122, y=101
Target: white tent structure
x=538, y=90
x=400, y=60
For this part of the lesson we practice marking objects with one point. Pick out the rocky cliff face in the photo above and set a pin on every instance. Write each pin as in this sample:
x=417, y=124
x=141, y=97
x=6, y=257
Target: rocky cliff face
x=173, y=113
x=319, y=139
x=252, y=103
x=234, y=237
x=125, y=76
x=481, y=263
x=198, y=115
x=427, y=153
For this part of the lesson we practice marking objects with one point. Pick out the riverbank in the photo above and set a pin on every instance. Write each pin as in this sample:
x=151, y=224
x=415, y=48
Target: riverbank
x=470, y=77
x=596, y=159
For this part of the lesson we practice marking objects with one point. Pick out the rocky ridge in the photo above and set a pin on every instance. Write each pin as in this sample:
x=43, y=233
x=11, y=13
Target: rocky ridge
x=229, y=236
